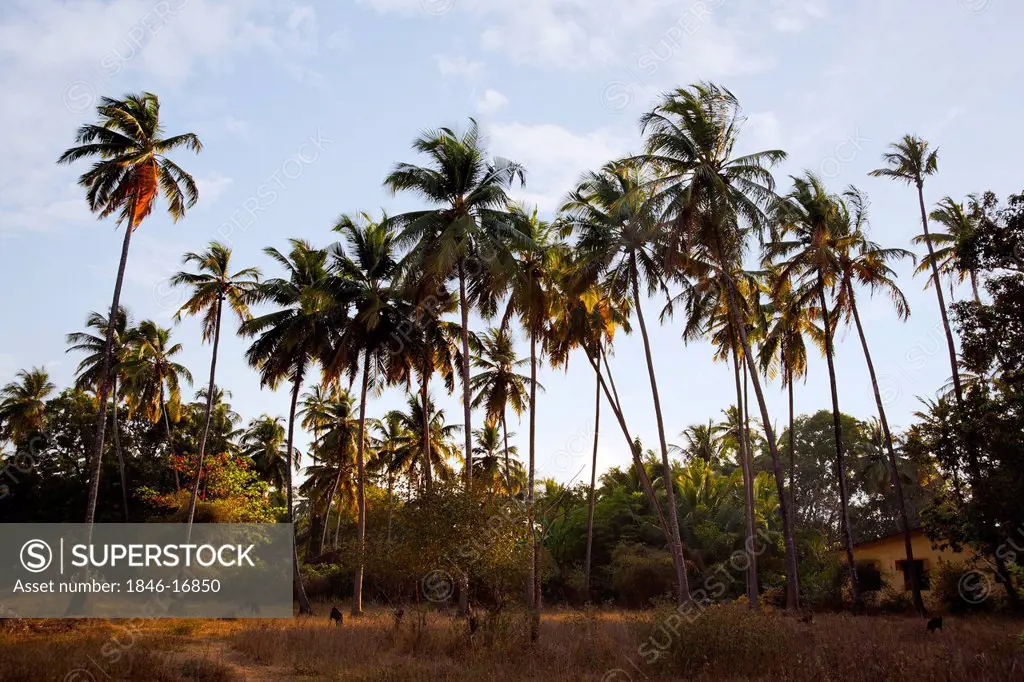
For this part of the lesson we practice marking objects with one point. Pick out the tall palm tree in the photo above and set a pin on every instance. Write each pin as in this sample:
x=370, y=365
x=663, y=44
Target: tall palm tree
x=621, y=241
x=715, y=202
x=292, y=337
x=960, y=225
x=391, y=437
x=708, y=314
x=131, y=170
x=585, y=319
x=910, y=161
x=816, y=236
x=497, y=385
x=368, y=266
x=431, y=346
x=153, y=379
x=330, y=414
x=531, y=296
x=264, y=443
x=88, y=374
x=23, y=404
x=784, y=344
x=466, y=232
x=868, y=264
x=211, y=287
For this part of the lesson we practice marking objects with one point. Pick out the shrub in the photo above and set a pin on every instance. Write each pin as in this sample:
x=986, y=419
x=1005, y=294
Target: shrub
x=640, y=573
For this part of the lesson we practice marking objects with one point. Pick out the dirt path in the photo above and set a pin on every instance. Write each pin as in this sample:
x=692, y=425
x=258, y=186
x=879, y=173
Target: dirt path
x=219, y=651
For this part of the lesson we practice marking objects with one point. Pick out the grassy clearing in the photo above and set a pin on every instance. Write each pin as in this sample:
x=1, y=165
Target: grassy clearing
x=614, y=646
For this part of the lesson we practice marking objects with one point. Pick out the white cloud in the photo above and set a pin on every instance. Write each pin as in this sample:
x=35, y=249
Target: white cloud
x=458, y=66
x=491, y=102
x=60, y=57
x=720, y=37
x=211, y=188
x=554, y=157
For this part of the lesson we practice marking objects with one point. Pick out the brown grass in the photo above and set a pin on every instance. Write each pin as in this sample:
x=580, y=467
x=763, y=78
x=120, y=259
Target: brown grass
x=724, y=643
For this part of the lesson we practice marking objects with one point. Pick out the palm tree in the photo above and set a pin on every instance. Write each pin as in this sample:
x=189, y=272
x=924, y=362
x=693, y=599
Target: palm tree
x=868, y=264
x=703, y=442
x=465, y=234
x=291, y=338
x=263, y=442
x=212, y=286
x=586, y=320
x=784, y=343
x=816, y=237
x=494, y=466
x=391, y=437
x=23, y=404
x=440, y=448
x=714, y=202
x=960, y=225
x=330, y=415
x=621, y=240
x=368, y=266
x=132, y=169
x=910, y=161
x=429, y=345
x=708, y=314
x=497, y=385
x=223, y=432
x=531, y=296
x=88, y=374
x=153, y=379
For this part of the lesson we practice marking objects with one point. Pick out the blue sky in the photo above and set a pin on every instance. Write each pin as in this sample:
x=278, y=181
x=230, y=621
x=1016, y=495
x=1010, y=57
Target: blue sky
x=304, y=107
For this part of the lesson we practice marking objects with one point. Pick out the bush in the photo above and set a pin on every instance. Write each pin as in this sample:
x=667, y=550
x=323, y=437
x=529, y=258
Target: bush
x=963, y=588
x=640, y=573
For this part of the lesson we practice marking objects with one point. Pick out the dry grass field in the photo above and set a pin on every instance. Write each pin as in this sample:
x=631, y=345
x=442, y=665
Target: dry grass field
x=724, y=643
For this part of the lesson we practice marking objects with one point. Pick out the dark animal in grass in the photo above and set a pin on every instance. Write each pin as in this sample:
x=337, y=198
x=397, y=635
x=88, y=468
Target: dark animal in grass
x=336, y=617
x=807, y=618
x=399, y=614
x=935, y=624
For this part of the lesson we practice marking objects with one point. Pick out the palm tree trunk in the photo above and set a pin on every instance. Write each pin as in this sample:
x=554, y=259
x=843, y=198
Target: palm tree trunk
x=101, y=399
x=334, y=491
x=751, y=477
x=682, y=587
x=896, y=482
x=593, y=486
x=942, y=303
x=467, y=402
x=645, y=480
x=792, y=451
x=357, y=590
x=337, y=525
x=792, y=578
x=467, y=405
x=530, y=495
x=327, y=514
x=117, y=446
x=748, y=488
x=391, y=481
x=427, y=469
x=508, y=464
x=300, y=591
x=211, y=388
x=170, y=437
x=844, y=500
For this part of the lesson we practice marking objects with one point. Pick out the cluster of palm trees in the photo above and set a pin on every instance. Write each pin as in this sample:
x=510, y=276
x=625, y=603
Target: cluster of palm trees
x=676, y=222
